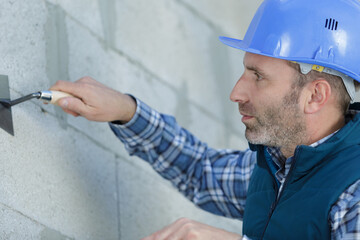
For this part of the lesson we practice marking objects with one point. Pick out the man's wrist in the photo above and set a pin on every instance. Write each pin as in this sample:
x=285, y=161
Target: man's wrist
x=129, y=103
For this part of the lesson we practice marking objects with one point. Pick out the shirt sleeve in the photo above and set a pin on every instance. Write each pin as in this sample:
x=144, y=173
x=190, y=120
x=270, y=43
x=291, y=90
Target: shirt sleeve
x=344, y=215
x=215, y=180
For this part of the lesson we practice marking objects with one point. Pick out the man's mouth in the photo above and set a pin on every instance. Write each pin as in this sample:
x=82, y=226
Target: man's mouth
x=246, y=116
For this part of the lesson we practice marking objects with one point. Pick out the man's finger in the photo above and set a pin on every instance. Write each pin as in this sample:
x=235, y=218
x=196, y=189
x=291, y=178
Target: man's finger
x=187, y=229
x=71, y=112
x=168, y=230
x=89, y=80
x=74, y=89
x=72, y=105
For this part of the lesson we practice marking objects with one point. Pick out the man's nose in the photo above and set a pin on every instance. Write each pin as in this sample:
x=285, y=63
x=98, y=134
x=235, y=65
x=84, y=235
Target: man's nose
x=240, y=92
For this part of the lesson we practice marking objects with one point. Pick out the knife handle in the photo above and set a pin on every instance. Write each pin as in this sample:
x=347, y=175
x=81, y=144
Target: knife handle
x=57, y=95
x=53, y=96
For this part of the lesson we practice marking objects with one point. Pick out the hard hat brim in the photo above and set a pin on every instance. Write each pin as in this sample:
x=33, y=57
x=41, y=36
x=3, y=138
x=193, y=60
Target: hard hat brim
x=242, y=45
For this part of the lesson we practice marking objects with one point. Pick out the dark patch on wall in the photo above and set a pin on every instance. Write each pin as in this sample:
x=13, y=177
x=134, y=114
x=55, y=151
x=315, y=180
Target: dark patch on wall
x=57, y=51
x=182, y=111
x=221, y=69
x=108, y=20
x=50, y=234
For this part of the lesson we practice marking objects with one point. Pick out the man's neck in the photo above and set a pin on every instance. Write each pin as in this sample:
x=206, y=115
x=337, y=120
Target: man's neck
x=316, y=136
x=320, y=133
x=289, y=151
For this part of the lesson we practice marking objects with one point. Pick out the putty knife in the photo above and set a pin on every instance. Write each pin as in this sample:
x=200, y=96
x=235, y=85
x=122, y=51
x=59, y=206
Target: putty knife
x=6, y=122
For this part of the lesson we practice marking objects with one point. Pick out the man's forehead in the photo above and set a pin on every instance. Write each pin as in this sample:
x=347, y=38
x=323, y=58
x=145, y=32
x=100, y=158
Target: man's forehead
x=259, y=62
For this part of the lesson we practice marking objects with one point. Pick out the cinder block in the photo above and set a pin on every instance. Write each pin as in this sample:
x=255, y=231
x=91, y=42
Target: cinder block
x=14, y=226
x=87, y=13
x=22, y=44
x=58, y=177
x=230, y=16
x=176, y=46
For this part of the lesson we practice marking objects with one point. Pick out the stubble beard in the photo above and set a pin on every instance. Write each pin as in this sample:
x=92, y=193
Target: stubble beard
x=280, y=125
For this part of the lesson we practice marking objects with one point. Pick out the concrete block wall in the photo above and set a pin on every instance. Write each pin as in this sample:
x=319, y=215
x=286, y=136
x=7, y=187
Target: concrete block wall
x=67, y=178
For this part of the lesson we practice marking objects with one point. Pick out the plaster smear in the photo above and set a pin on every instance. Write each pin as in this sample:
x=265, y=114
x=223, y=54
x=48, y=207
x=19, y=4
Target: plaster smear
x=224, y=82
x=48, y=234
x=183, y=112
x=108, y=20
x=57, y=51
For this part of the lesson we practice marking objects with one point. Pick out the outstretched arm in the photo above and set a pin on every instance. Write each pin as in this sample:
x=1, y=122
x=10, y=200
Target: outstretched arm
x=215, y=180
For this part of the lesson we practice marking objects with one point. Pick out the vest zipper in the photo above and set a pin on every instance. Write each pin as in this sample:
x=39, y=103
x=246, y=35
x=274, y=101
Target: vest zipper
x=278, y=194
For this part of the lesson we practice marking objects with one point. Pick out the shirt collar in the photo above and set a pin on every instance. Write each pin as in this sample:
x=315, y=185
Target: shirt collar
x=278, y=157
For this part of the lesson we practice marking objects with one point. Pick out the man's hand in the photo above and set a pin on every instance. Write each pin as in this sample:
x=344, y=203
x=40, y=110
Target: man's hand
x=95, y=101
x=186, y=229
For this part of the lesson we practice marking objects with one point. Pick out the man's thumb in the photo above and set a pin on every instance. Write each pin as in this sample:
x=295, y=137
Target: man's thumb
x=63, y=103
x=72, y=104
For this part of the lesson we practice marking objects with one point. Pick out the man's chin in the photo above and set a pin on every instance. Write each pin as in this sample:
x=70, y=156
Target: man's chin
x=255, y=139
x=251, y=137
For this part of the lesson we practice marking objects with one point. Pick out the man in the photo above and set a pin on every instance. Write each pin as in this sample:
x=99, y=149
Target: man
x=300, y=177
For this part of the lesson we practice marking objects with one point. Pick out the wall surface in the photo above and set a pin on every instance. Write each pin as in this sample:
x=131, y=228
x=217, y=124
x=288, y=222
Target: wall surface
x=66, y=178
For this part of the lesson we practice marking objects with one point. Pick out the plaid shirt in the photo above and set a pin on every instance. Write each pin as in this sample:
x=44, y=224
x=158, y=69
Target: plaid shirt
x=216, y=180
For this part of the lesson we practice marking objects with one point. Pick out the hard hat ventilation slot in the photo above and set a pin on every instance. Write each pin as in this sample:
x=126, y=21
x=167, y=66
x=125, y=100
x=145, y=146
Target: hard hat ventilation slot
x=331, y=24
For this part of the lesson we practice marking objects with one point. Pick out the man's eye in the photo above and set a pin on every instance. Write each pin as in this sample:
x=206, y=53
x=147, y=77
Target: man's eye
x=258, y=77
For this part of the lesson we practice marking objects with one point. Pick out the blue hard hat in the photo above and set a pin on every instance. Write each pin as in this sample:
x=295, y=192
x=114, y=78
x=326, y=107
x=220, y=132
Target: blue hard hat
x=321, y=32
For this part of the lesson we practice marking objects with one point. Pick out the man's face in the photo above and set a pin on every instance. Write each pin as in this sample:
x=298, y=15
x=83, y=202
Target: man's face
x=269, y=102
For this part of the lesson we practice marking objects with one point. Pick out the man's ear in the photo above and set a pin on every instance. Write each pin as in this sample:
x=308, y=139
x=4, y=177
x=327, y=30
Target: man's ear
x=319, y=92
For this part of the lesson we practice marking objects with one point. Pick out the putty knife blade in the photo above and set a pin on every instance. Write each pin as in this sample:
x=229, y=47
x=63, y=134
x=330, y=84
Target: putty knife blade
x=6, y=121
